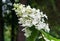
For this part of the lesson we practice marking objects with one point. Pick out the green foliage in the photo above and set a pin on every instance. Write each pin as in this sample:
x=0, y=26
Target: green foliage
x=48, y=36
x=34, y=34
x=7, y=33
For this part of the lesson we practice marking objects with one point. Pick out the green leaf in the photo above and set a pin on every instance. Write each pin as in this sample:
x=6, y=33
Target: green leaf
x=48, y=36
x=34, y=35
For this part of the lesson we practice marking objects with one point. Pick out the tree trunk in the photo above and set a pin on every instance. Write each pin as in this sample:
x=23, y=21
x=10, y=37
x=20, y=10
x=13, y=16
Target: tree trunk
x=20, y=36
x=58, y=4
x=1, y=23
x=23, y=2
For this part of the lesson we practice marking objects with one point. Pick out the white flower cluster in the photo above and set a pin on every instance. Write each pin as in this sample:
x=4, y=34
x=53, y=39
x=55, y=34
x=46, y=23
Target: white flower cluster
x=31, y=16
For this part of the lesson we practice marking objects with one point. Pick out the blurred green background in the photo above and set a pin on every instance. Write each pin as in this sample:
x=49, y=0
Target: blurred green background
x=50, y=7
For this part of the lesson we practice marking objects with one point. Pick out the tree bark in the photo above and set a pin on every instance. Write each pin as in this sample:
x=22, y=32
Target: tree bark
x=23, y=2
x=20, y=36
x=58, y=4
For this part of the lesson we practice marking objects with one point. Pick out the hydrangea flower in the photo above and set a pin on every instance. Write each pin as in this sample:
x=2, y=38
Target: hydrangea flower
x=29, y=17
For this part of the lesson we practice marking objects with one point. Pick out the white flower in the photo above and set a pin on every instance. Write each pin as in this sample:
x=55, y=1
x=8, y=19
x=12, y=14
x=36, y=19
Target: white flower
x=29, y=17
x=32, y=15
x=40, y=26
x=42, y=20
x=33, y=10
x=46, y=28
x=27, y=32
x=45, y=38
x=45, y=16
x=34, y=22
x=39, y=37
x=28, y=9
x=21, y=20
x=23, y=10
x=41, y=13
x=38, y=11
x=25, y=15
x=28, y=23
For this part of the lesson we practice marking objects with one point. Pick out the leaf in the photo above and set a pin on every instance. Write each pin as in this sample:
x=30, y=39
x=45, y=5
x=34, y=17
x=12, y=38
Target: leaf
x=34, y=35
x=48, y=36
